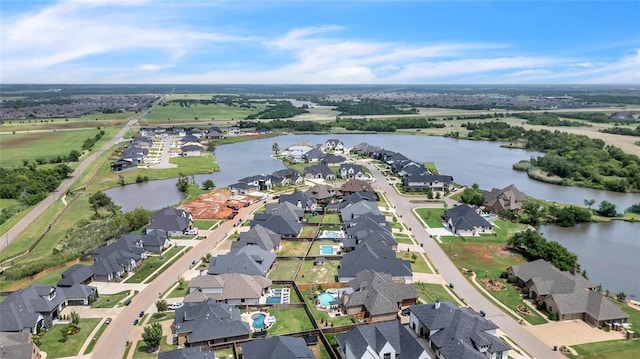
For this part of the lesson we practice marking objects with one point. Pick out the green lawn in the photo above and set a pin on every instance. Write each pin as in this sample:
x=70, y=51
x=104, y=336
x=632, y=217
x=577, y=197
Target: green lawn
x=293, y=248
x=403, y=238
x=142, y=353
x=417, y=265
x=92, y=343
x=173, y=112
x=331, y=218
x=151, y=264
x=313, y=217
x=431, y=216
x=619, y=349
x=161, y=317
x=51, y=342
x=322, y=315
x=429, y=292
x=284, y=269
x=511, y=298
x=179, y=292
x=308, y=231
x=290, y=320
x=504, y=230
x=310, y=273
x=109, y=300
x=204, y=223
x=29, y=146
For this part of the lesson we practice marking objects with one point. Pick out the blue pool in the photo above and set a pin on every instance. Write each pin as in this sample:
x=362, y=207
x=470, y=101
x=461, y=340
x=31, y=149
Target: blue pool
x=273, y=300
x=325, y=299
x=258, y=320
x=326, y=250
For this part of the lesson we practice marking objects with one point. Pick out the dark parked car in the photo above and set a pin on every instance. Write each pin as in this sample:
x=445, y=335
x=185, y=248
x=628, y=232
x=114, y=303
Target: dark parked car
x=141, y=314
x=482, y=313
x=135, y=322
x=127, y=302
x=232, y=215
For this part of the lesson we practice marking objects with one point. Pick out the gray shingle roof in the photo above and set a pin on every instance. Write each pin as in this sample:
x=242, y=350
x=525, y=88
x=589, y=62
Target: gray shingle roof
x=379, y=260
x=458, y=330
x=76, y=274
x=231, y=286
x=465, y=217
x=258, y=236
x=320, y=169
x=285, y=209
x=376, y=336
x=278, y=224
x=209, y=321
x=280, y=347
x=170, y=219
x=250, y=260
x=187, y=353
x=358, y=209
x=378, y=293
x=299, y=199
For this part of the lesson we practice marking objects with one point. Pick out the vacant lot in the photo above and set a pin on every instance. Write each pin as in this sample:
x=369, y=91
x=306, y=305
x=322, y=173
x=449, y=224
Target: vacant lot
x=45, y=145
x=293, y=248
x=431, y=216
x=173, y=112
x=284, y=269
x=310, y=273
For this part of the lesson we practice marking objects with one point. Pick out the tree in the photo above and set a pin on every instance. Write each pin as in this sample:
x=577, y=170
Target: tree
x=65, y=336
x=161, y=305
x=275, y=148
x=152, y=335
x=121, y=180
x=589, y=203
x=621, y=297
x=183, y=183
x=181, y=282
x=208, y=184
x=607, y=209
x=472, y=195
x=100, y=200
x=534, y=212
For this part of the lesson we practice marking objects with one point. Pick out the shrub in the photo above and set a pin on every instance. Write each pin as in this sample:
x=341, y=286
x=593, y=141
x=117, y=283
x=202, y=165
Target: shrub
x=511, y=279
x=553, y=315
x=503, y=275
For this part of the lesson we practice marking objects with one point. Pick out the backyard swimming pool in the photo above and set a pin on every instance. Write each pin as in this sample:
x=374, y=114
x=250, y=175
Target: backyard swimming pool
x=258, y=321
x=273, y=300
x=325, y=299
x=331, y=234
x=328, y=250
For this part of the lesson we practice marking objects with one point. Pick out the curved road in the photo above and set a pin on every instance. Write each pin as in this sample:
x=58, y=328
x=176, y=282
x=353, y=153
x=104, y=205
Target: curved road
x=451, y=274
x=111, y=343
x=33, y=215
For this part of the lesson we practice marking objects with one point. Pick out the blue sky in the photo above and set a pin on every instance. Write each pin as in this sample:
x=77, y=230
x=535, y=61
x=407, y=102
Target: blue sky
x=320, y=42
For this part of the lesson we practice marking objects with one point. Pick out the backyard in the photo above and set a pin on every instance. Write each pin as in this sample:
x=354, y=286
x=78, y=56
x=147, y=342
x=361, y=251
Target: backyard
x=289, y=320
x=293, y=248
x=310, y=273
x=284, y=269
x=315, y=247
x=322, y=315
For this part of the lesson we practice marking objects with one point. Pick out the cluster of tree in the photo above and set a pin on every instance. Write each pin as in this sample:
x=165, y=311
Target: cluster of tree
x=278, y=110
x=572, y=157
x=303, y=126
x=623, y=131
x=30, y=185
x=548, y=119
x=472, y=195
x=386, y=125
x=607, y=209
x=29, y=102
x=9, y=211
x=595, y=117
x=73, y=156
x=183, y=183
x=371, y=107
x=567, y=216
x=231, y=101
x=634, y=209
x=89, y=142
x=478, y=117
x=534, y=246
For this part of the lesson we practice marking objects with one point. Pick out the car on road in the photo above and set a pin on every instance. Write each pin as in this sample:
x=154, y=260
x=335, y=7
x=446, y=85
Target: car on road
x=192, y=232
x=107, y=321
x=141, y=314
x=135, y=322
x=127, y=302
x=232, y=215
x=483, y=313
x=176, y=305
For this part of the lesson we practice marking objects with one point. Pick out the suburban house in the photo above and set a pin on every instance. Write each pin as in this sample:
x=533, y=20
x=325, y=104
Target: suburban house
x=123, y=165
x=208, y=323
x=333, y=145
x=18, y=345
x=233, y=131
x=187, y=353
x=379, y=259
x=376, y=297
x=175, y=222
x=190, y=140
x=352, y=198
x=76, y=274
x=280, y=347
x=365, y=149
x=131, y=157
x=313, y=155
x=258, y=236
x=191, y=150
x=320, y=171
x=368, y=230
x=287, y=177
x=466, y=220
x=285, y=209
x=251, y=260
x=195, y=132
x=110, y=262
x=263, y=182
x=243, y=188
x=323, y=193
x=570, y=295
x=154, y=240
x=358, y=209
x=412, y=168
x=297, y=150
x=283, y=225
x=439, y=184
x=508, y=199
x=230, y=288
x=351, y=171
x=388, y=340
x=456, y=333
x=331, y=159
x=215, y=135
x=355, y=185
x=35, y=307
x=299, y=199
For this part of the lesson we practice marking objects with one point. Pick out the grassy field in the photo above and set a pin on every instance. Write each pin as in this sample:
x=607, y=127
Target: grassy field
x=51, y=342
x=331, y=218
x=109, y=300
x=403, y=238
x=308, y=231
x=293, y=248
x=178, y=291
x=151, y=264
x=284, y=269
x=204, y=224
x=173, y=111
x=429, y=292
x=290, y=320
x=310, y=273
x=619, y=349
x=29, y=146
x=431, y=216
x=417, y=265
x=104, y=120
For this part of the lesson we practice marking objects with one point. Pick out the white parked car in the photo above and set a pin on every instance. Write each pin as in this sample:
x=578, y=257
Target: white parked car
x=174, y=306
x=192, y=232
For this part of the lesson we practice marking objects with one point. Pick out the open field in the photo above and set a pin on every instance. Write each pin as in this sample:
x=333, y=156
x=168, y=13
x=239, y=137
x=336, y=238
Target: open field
x=173, y=111
x=619, y=349
x=310, y=273
x=46, y=145
x=104, y=120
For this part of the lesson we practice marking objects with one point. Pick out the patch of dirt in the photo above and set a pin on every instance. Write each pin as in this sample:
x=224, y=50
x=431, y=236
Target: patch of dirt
x=217, y=204
x=493, y=285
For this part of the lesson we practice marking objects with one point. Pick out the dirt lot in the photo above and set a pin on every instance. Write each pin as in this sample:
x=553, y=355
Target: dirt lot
x=217, y=204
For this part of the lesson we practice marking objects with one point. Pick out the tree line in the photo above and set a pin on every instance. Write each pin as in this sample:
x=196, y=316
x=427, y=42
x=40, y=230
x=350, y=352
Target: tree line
x=623, y=131
x=370, y=107
x=303, y=126
x=279, y=109
x=548, y=119
x=370, y=125
x=534, y=246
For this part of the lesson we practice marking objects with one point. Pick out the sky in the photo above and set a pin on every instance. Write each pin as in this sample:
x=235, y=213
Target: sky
x=319, y=42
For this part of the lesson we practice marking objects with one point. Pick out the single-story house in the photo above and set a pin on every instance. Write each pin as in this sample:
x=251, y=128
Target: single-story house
x=466, y=220
x=299, y=199
x=251, y=260
x=508, y=199
x=230, y=288
x=174, y=221
x=208, y=323
x=259, y=236
x=280, y=347
x=351, y=171
x=376, y=259
x=320, y=171
x=380, y=341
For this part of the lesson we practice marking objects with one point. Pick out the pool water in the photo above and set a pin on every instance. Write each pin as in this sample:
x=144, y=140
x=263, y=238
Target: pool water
x=258, y=320
x=326, y=250
x=273, y=300
x=325, y=299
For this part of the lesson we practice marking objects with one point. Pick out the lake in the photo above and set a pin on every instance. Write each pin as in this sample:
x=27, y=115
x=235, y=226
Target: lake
x=481, y=162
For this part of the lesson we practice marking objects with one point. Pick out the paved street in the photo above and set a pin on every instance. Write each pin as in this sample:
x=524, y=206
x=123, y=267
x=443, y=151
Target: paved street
x=451, y=274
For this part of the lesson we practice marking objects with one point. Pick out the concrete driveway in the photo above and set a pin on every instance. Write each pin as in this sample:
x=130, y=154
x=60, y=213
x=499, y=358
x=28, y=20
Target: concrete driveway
x=571, y=332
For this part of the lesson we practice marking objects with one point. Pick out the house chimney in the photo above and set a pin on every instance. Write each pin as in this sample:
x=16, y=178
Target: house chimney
x=436, y=305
